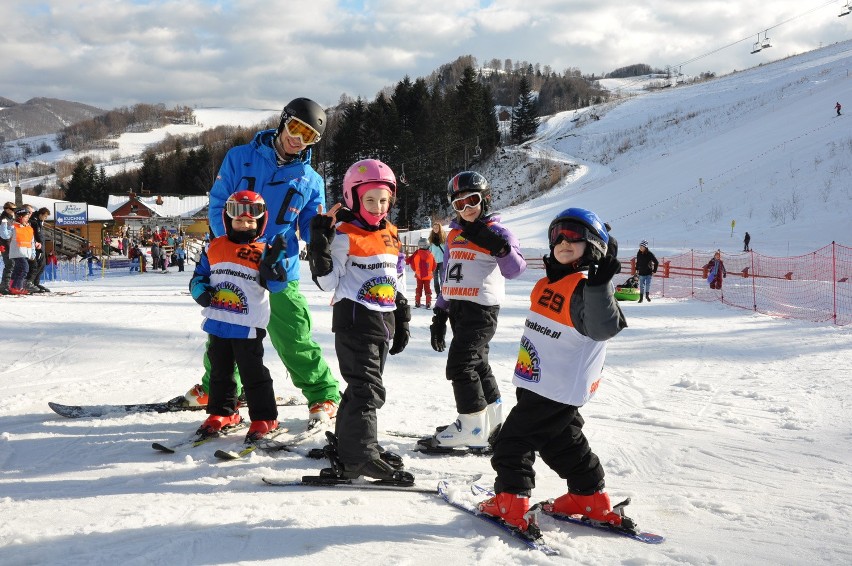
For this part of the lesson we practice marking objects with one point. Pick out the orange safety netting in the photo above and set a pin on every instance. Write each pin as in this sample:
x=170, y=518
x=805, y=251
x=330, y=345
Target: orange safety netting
x=815, y=287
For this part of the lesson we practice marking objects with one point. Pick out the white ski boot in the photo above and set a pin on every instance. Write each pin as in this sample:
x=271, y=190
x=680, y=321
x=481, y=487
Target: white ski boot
x=469, y=430
x=494, y=418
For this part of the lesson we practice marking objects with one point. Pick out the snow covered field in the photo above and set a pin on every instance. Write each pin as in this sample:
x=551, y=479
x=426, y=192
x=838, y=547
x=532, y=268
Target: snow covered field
x=729, y=430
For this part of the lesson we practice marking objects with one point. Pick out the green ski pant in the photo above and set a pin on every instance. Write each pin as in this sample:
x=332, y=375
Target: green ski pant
x=290, y=333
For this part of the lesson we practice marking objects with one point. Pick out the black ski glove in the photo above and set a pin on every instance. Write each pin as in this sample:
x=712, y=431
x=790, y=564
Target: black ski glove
x=479, y=233
x=555, y=270
x=602, y=273
x=438, y=329
x=319, y=250
x=271, y=267
x=401, y=316
x=201, y=291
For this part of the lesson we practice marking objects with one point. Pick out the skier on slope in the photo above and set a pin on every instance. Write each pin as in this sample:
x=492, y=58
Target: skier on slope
x=557, y=372
x=480, y=254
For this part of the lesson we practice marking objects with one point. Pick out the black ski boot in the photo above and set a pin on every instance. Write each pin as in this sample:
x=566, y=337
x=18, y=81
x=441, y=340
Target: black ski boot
x=341, y=472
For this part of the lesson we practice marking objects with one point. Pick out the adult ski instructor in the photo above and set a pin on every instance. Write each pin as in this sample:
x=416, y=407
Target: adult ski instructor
x=277, y=165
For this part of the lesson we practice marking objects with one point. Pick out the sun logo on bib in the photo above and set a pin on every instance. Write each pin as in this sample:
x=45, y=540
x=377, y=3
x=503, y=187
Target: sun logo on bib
x=528, y=365
x=379, y=291
x=229, y=298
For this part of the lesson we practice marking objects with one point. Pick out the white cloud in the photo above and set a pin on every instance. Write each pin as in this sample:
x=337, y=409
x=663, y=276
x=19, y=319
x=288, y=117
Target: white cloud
x=254, y=53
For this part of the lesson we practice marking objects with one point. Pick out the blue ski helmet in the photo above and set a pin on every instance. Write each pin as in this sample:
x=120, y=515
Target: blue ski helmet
x=579, y=224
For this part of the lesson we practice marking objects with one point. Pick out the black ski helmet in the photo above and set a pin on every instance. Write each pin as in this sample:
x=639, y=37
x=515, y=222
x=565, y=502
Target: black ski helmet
x=470, y=181
x=305, y=110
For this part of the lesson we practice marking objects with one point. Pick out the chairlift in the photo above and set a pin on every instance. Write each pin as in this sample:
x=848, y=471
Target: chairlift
x=765, y=43
x=845, y=10
x=757, y=46
x=402, y=175
x=477, y=151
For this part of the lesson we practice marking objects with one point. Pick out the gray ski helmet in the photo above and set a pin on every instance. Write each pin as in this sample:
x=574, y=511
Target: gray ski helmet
x=470, y=181
x=305, y=110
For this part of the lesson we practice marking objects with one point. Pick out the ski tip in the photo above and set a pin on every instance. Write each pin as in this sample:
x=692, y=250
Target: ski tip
x=162, y=448
x=226, y=455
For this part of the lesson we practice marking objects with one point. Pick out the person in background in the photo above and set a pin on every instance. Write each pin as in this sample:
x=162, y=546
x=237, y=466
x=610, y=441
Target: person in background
x=481, y=254
x=353, y=252
x=22, y=249
x=276, y=164
x=423, y=265
x=164, y=259
x=746, y=242
x=37, y=265
x=437, y=241
x=181, y=257
x=7, y=220
x=90, y=258
x=646, y=267
x=837, y=107
x=155, y=253
x=716, y=271
x=51, y=267
x=557, y=373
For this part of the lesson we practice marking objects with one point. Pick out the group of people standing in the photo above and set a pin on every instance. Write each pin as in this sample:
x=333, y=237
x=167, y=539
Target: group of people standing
x=248, y=284
x=22, y=247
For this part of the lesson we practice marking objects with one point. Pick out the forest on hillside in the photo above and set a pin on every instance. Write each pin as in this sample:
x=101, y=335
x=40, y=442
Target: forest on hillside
x=426, y=129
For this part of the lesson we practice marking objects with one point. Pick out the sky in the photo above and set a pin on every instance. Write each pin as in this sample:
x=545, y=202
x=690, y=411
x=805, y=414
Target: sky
x=728, y=429
x=260, y=54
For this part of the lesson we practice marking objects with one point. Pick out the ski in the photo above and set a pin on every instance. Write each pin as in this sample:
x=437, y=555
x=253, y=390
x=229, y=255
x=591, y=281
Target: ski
x=174, y=405
x=198, y=439
x=629, y=531
x=532, y=537
x=272, y=444
x=649, y=538
x=340, y=483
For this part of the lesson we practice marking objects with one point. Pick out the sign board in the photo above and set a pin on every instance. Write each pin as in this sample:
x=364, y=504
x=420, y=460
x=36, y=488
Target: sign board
x=70, y=213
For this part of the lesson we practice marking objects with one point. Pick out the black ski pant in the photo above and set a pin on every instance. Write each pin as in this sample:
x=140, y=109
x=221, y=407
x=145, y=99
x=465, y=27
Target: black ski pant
x=7, y=267
x=362, y=362
x=247, y=353
x=37, y=268
x=555, y=431
x=474, y=384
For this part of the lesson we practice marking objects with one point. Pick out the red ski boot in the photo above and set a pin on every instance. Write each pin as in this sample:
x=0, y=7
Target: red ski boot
x=216, y=423
x=511, y=508
x=596, y=507
x=259, y=429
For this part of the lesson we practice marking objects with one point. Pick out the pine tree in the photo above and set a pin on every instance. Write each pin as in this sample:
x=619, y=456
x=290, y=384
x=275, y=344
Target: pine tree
x=525, y=113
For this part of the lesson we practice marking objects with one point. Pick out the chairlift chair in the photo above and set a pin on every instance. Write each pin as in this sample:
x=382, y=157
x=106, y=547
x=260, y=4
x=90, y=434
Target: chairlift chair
x=845, y=10
x=757, y=45
x=765, y=43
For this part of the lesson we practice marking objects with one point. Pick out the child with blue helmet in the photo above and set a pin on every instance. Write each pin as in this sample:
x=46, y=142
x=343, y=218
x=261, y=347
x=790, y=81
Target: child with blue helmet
x=572, y=315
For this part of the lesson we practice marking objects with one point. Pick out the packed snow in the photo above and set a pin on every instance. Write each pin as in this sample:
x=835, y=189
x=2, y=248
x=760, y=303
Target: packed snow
x=729, y=430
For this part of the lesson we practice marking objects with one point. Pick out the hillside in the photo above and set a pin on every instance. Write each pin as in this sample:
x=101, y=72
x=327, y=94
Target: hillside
x=762, y=148
x=39, y=116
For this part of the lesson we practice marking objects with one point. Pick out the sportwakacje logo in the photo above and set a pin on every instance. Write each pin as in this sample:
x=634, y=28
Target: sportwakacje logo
x=528, y=366
x=379, y=291
x=230, y=298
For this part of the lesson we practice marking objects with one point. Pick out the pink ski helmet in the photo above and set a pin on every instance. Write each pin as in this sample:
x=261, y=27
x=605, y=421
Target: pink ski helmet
x=363, y=172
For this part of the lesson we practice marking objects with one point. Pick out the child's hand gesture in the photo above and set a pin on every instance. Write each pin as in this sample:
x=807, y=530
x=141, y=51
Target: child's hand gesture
x=322, y=233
